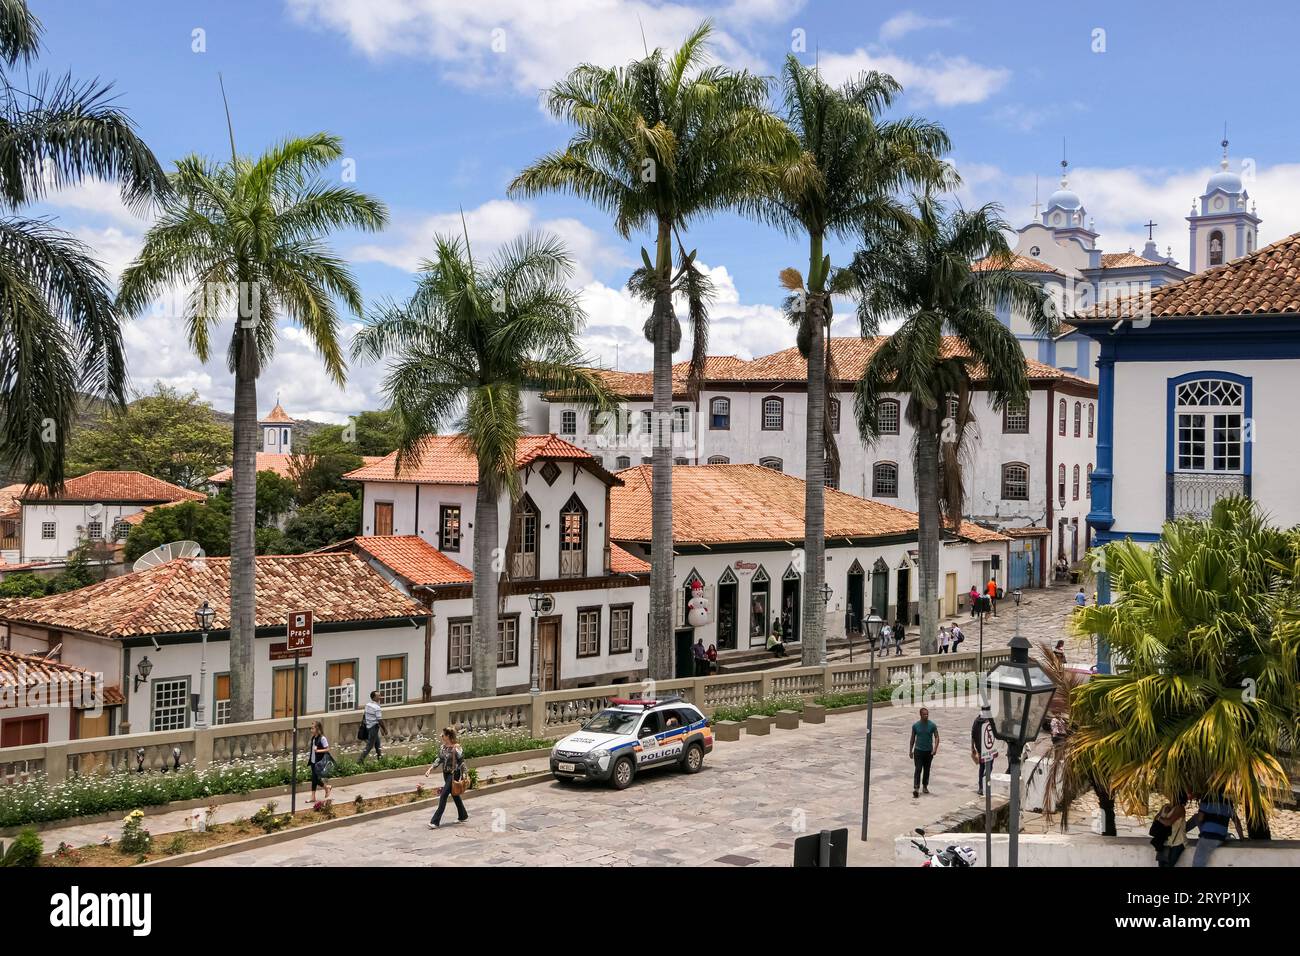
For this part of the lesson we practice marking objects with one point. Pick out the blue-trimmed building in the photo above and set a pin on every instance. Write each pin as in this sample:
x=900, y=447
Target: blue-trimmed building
x=1196, y=396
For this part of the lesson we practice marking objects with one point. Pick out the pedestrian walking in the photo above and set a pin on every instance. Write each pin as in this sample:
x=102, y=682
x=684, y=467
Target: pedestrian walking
x=944, y=638
x=921, y=747
x=977, y=748
x=372, y=722
x=319, y=759
x=993, y=595
x=1081, y=599
x=900, y=632
x=1169, y=832
x=957, y=635
x=1213, y=813
x=1059, y=651
x=701, y=658
x=712, y=655
x=451, y=758
x=974, y=602
x=886, y=637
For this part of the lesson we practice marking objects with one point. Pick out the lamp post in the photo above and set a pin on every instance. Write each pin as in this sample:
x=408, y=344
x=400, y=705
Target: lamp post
x=872, y=626
x=1019, y=693
x=203, y=618
x=539, y=602
x=826, y=592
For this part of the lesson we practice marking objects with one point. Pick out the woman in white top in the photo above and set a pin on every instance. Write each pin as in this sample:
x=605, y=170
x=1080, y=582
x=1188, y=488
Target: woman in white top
x=944, y=637
x=886, y=635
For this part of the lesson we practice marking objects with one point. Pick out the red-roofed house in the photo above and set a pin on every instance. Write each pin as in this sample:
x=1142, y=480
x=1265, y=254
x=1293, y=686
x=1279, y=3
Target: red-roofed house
x=418, y=530
x=91, y=508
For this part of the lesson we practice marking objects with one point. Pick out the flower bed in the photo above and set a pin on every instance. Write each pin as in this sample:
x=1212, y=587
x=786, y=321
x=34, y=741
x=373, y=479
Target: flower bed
x=768, y=706
x=38, y=801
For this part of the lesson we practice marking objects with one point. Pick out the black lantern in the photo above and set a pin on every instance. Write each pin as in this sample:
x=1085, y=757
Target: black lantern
x=203, y=617
x=143, y=670
x=1019, y=692
x=873, y=624
x=826, y=590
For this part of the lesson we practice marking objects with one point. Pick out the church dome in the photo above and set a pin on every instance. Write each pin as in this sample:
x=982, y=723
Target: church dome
x=1226, y=180
x=1064, y=198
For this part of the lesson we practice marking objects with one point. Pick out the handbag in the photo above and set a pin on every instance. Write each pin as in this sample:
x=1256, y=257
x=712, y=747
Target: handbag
x=459, y=781
x=361, y=732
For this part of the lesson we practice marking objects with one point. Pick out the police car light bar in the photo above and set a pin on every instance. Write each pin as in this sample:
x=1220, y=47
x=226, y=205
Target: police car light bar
x=642, y=702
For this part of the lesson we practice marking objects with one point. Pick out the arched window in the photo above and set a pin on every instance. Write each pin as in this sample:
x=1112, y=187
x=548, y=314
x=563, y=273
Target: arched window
x=1092, y=414
x=1209, y=423
x=773, y=414
x=623, y=462
x=884, y=480
x=774, y=463
x=1088, y=487
x=573, y=539
x=887, y=416
x=568, y=422
x=1060, y=483
x=1216, y=248
x=720, y=414
x=1078, y=419
x=1015, y=481
x=835, y=415
x=1015, y=419
x=524, y=561
x=681, y=420
x=719, y=460
x=1076, y=483
x=1060, y=415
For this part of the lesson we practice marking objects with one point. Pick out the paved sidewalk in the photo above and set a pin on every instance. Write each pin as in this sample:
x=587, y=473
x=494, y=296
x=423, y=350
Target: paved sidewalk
x=179, y=820
x=746, y=808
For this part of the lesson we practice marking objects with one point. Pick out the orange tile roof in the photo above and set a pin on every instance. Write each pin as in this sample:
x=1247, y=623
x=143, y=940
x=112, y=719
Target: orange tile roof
x=9, y=495
x=448, y=460
x=1016, y=263
x=624, y=562
x=411, y=557
x=1027, y=532
x=276, y=462
x=29, y=670
x=339, y=587
x=715, y=504
x=1266, y=282
x=117, y=486
x=277, y=416
x=1125, y=260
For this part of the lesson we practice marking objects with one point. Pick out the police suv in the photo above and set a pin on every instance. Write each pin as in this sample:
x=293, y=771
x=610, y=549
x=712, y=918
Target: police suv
x=630, y=736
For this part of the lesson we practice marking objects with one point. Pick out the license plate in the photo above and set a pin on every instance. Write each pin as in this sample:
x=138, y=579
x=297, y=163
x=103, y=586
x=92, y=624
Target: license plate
x=565, y=767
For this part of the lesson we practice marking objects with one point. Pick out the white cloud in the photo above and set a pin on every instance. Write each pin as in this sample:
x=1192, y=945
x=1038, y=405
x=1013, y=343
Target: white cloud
x=901, y=24
x=522, y=43
x=410, y=239
x=99, y=199
x=943, y=80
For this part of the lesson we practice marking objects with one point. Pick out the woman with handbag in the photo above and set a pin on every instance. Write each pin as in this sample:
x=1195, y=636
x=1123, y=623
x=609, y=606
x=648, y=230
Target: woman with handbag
x=455, y=776
x=319, y=759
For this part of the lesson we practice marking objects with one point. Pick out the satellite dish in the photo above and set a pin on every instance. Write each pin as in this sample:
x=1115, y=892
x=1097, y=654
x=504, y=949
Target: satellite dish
x=167, y=552
x=95, y=510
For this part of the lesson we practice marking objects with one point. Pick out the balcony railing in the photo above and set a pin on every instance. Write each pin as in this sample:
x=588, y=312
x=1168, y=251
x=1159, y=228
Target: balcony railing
x=1194, y=494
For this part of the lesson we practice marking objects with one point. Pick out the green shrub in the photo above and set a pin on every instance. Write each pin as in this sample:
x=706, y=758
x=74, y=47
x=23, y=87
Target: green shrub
x=26, y=850
x=135, y=837
x=764, y=707
x=176, y=844
x=268, y=819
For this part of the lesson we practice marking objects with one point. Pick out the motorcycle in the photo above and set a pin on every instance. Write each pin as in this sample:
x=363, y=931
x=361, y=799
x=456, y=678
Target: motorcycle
x=950, y=856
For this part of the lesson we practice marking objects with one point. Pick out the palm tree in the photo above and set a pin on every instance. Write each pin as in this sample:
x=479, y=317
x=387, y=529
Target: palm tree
x=471, y=338
x=659, y=143
x=843, y=179
x=1207, y=697
x=247, y=236
x=943, y=280
x=59, y=331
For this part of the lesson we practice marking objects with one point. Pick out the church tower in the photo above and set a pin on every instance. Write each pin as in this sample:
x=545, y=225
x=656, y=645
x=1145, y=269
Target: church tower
x=277, y=431
x=1223, y=223
x=1065, y=214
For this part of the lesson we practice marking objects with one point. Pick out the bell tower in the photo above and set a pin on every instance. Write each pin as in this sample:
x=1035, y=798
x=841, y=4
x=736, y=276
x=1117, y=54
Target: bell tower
x=1223, y=225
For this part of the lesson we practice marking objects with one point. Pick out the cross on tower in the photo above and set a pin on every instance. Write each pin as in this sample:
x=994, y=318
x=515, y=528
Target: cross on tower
x=1150, y=228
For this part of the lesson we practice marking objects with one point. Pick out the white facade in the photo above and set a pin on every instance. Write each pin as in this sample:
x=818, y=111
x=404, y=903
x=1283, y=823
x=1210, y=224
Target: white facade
x=51, y=530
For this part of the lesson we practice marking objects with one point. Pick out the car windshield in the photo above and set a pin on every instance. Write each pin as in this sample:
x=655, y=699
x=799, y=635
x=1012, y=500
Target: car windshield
x=612, y=722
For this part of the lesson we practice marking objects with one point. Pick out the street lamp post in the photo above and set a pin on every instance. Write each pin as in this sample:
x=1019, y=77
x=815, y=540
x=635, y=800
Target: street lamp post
x=535, y=601
x=872, y=626
x=203, y=618
x=1019, y=692
x=826, y=592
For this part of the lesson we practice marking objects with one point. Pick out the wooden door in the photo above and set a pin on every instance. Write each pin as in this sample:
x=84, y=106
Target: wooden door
x=548, y=650
x=25, y=731
x=383, y=517
x=282, y=691
x=950, y=594
x=219, y=712
x=88, y=726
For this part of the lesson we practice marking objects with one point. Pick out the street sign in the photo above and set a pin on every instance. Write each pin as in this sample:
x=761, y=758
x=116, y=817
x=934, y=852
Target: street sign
x=987, y=743
x=300, y=630
x=827, y=848
x=280, y=652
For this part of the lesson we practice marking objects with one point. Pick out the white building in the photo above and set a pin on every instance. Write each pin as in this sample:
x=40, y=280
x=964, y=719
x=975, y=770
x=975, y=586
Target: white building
x=560, y=545
x=139, y=632
x=738, y=531
x=1026, y=469
x=1195, y=401
x=45, y=701
x=93, y=509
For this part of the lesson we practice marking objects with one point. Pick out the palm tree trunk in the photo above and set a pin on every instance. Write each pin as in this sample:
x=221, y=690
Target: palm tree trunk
x=1107, y=804
x=814, y=501
x=483, y=647
x=243, y=555
x=927, y=506
x=660, y=654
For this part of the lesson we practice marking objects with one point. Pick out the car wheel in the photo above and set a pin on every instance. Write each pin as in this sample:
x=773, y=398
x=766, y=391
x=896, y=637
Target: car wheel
x=693, y=759
x=622, y=775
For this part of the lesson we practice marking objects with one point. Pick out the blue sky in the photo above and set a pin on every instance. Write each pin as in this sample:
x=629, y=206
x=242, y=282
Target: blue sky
x=438, y=120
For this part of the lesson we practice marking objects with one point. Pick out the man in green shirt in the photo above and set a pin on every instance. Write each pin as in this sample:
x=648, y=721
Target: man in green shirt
x=922, y=747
